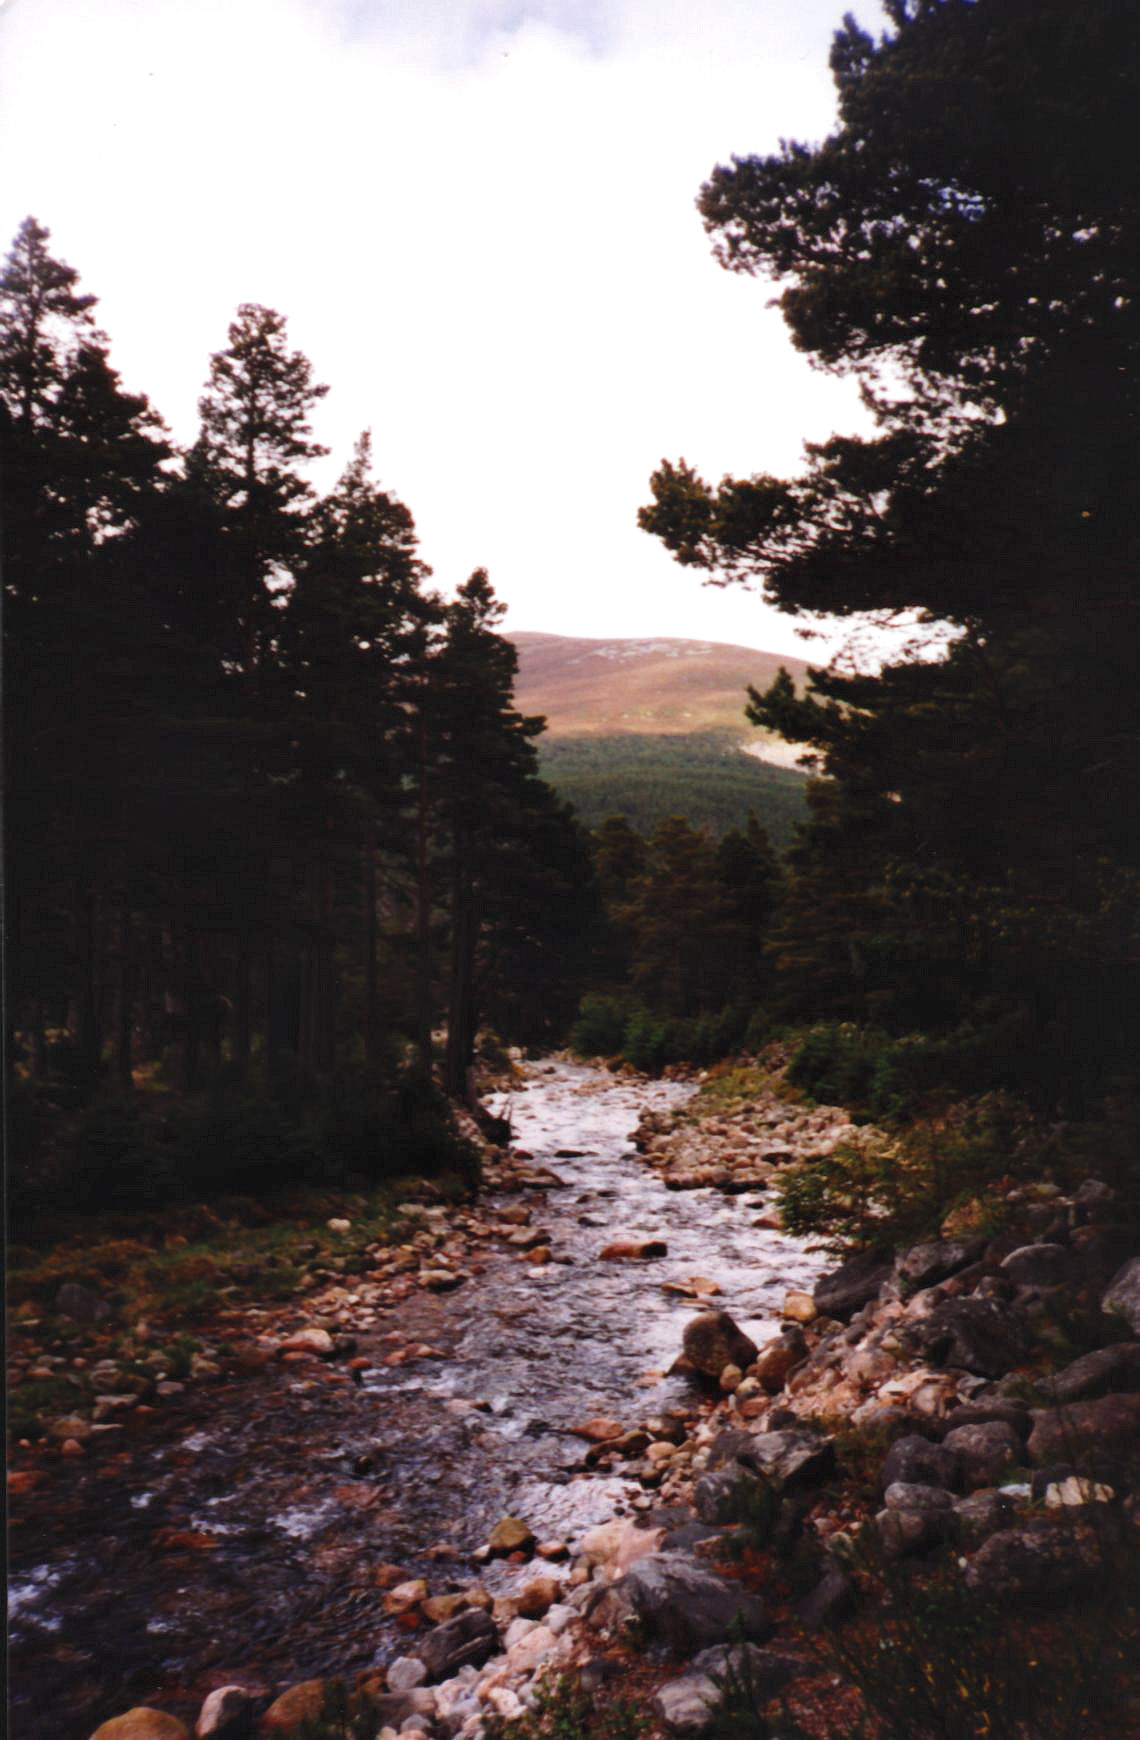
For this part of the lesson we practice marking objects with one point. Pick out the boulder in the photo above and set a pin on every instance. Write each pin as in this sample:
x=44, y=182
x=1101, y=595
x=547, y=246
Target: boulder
x=1043, y=1265
x=686, y=1605
x=688, y=1706
x=1104, y=1372
x=795, y=1457
x=918, y=1462
x=1039, y=1563
x=712, y=1340
x=1122, y=1295
x=984, y=1452
x=845, y=1290
x=537, y=1596
x=925, y=1264
x=981, y=1515
x=980, y=1335
x=470, y=1638
x=924, y=1500
x=717, y=1498
x=1084, y=1432
x=142, y=1723
x=902, y=1532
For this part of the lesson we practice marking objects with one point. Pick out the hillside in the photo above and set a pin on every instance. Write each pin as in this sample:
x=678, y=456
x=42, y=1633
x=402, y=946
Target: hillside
x=650, y=728
x=597, y=687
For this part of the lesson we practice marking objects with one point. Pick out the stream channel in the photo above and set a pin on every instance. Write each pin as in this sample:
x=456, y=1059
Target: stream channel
x=306, y=1487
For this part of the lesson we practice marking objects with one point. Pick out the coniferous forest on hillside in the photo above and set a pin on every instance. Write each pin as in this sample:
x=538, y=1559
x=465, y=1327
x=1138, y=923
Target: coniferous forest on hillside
x=303, y=943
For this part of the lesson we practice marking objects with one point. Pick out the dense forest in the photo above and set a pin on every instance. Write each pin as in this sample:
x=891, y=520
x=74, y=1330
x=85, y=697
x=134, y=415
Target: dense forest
x=272, y=816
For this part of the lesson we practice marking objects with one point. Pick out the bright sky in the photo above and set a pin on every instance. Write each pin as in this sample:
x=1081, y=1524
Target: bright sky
x=478, y=217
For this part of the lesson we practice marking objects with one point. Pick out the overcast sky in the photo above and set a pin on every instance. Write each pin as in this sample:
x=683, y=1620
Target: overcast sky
x=478, y=217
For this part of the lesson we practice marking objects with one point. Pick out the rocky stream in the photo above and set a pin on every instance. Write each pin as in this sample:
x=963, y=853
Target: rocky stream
x=245, y=1531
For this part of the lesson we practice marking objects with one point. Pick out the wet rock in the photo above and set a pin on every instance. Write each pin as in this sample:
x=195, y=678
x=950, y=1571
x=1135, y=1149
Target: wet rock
x=686, y=1605
x=1041, y=1265
x=925, y=1264
x=984, y=1452
x=468, y=1639
x=847, y=1289
x=1072, y=1492
x=979, y=1516
x=512, y=1535
x=441, y=1280
x=598, y=1431
x=437, y=1608
x=301, y=1703
x=618, y=1544
x=918, y=1462
x=78, y=1302
x=979, y=1335
x=1086, y=1431
x=142, y=1723
x=794, y=1457
x=405, y=1673
x=1106, y=1371
x=1121, y=1298
x=621, y=1251
x=227, y=1714
x=689, y=1705
x=730, y=1379
x=552, y=1550
x=799, y=1307
x=712, y=1340
x=1035, y=1564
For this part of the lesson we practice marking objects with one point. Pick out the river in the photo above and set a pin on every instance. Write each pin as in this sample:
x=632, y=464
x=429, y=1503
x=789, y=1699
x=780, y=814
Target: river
x=297, y=1490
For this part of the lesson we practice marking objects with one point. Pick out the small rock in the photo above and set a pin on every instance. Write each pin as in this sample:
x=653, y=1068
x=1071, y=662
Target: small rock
x=793, y=1457
x=686, y=1605
x=690, y=1705
x=552, y=1550
x=779, y=1357
x=470, y=1638
x=83, y=1306
x=799, y=1307
x=301, y=1703
x=512, y=1535
x=1121, y=1298
x=925, y=1264
x=598, y=1431
x=536, y=1596
x=981, y=1515
x=405, y=1596
x=730, y=1379
x=337, y=1225
x=406, y=1672
x=226, y=1714
x=308, y=1340
x=1042, y=1265
x=142, y=1723
x=902, y=1495
x=847, y=1289
x=633, y=1250
x=1075, y=1491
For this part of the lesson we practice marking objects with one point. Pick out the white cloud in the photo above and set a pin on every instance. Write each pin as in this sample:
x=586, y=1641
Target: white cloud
x=479, y=219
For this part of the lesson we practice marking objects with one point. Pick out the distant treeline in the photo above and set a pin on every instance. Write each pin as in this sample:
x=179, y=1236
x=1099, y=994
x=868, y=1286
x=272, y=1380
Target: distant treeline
x=703, y=775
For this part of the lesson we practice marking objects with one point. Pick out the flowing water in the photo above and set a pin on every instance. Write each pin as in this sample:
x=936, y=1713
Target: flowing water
x=303, y=1488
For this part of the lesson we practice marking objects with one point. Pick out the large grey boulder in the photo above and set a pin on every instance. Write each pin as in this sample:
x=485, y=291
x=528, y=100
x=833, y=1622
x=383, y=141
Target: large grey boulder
x=794, y=1457
x=925, y=1264
x=1104, y=1372
x=470, y=1638
x=918, y=1462
x=984, y=1452
x=981, y=1515
x=979, y=1335
x=1121, y=1298
x=1041, y=1265
x=712, y=1340
x=1040, y=1563
x=847, y=1289
x=1086, y=1432
x=689, y=1705
x=686, y=1605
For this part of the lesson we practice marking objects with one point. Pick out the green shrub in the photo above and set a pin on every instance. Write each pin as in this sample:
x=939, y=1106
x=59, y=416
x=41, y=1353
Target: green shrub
x=118, y=1161
x=563, y=1710
x=599, y=1030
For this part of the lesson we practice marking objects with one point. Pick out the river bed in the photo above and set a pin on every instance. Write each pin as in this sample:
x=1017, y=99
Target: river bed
x=296, y=1490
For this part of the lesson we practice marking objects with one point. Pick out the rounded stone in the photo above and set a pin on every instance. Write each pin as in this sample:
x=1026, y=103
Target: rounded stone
x=142, y=1723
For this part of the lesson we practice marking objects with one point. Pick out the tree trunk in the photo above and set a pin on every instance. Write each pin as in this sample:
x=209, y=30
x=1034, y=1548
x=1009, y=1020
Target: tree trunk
x=423, y=1010
x=461, y=1012
x=371, y=985
x=86, y=991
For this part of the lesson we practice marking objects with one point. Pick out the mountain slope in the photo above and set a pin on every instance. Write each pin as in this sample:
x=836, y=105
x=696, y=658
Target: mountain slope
x=651, y=728
x=592, y=687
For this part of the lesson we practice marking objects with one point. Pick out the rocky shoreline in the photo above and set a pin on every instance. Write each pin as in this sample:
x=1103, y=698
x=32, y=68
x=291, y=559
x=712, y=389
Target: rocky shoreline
x=916, y=1400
